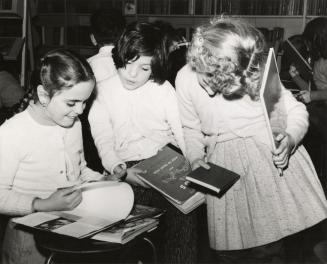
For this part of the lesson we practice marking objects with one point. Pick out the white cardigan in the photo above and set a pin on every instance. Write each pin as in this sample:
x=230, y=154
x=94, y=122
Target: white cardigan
x=204, y=117
x=133, y=124
x=36, y=159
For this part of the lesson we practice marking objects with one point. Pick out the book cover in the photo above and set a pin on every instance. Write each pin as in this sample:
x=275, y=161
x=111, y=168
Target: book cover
x=92, y=215
x=271, y=99
x=217, y=179
x=166, y=172
x=302, y=66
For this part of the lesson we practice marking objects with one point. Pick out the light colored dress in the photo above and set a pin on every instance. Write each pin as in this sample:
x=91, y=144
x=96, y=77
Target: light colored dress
x=262, y=207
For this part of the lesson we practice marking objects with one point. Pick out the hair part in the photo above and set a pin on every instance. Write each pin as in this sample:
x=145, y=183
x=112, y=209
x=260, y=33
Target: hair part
x=59, y=70
x=142, y=39
x=230, y=52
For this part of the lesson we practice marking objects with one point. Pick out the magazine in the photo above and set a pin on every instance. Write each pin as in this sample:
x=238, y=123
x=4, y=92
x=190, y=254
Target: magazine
x=104, y=205
x=142, y=219
x=271, y=100
x=126, y=231
x=166, y=172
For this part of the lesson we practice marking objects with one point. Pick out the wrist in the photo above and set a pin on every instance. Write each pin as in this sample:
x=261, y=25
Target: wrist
x=38, y=205
x=118, y=169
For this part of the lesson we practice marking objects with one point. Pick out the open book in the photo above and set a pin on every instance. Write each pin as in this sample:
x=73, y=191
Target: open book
x=271, y=99
x=104, y=204
x=217, y=179
x=142, y=219
x=302, y=66
x=166, y=172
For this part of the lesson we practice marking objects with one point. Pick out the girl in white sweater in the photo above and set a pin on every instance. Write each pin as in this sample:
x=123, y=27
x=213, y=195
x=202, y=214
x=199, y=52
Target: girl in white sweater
x=41, y=150
x=224, y=124
x=134, y=115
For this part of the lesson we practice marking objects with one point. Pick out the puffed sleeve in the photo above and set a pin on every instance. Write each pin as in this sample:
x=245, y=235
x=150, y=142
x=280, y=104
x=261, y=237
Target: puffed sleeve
x=11, y=152
x=194, y=138
x=297, y=117
x=102, y=131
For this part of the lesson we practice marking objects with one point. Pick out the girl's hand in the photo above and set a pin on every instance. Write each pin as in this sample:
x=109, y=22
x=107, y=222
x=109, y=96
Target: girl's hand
x=199, y=163
x=285, y=146
x=304, y=97
x=293, y=71
x=119, y=174
x=61, y=200
x=133, y=177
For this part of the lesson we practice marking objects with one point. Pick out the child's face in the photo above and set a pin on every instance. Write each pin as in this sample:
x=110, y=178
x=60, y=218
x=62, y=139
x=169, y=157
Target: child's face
x=204, y=83
x=66, y=105
x=136, y=73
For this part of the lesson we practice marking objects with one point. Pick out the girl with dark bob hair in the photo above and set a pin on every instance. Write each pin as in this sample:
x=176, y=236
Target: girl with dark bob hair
x=134, y=115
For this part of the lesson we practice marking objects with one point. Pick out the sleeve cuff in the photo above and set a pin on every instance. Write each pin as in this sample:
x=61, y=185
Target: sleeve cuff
x=117, y=164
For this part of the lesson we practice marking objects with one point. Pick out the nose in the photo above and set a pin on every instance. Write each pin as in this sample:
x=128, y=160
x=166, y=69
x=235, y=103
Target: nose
x=79, y=107
x=132, y=70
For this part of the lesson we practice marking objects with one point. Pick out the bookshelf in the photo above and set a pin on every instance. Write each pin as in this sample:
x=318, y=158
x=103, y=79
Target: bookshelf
x=65, y=22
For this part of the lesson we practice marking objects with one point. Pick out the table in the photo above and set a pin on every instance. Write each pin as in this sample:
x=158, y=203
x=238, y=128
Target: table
x=68, y=246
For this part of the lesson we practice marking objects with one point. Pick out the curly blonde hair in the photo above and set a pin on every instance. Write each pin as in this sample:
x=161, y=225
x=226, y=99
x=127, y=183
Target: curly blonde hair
x=229, y=52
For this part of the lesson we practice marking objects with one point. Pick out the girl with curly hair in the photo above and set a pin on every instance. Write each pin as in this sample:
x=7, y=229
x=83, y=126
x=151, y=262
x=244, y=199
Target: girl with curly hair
x=223, y=122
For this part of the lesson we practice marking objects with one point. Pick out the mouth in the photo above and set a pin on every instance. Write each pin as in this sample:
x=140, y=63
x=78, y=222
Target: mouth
x=130, y=82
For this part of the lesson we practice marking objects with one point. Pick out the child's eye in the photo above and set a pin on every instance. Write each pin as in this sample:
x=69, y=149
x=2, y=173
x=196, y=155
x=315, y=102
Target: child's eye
x=70, y=104
x=209, y=74
x=146, y=68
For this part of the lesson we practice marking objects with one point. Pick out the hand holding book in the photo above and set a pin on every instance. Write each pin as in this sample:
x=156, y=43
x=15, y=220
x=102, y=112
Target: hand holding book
x=200, y=163
x=63, y=199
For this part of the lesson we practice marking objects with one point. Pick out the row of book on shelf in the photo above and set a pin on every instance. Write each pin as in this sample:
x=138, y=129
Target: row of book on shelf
x=168, y=172
x=211, y=7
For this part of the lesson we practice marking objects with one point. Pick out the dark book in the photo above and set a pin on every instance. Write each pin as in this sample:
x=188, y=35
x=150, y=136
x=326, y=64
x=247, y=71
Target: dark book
x=302, y=66
x=217, y=179
x=166, y=172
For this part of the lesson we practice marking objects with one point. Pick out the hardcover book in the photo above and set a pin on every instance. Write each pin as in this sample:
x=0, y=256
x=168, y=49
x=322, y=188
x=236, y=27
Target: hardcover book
x=302, y=66
x=166, y=172
x=217, y=179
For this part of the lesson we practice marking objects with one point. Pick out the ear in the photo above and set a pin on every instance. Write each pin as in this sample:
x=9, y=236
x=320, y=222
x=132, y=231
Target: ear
x=43, y=95
x=93, y=40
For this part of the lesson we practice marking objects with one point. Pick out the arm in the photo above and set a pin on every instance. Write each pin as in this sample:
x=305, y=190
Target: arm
x=296, y=127
x=297, y=117
x=103, y=134
x=194, y=138
x=173, y=118
x=302, y=84
x=320, y=80
x=11, y=202
x=87, y=174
